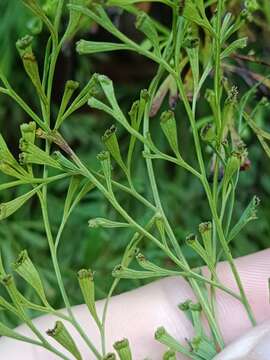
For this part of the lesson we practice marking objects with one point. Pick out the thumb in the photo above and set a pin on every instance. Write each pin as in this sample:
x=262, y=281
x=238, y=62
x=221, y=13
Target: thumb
x=254, y=345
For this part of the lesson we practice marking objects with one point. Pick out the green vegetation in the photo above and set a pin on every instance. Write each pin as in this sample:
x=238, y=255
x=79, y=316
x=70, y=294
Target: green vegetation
x=88, y=150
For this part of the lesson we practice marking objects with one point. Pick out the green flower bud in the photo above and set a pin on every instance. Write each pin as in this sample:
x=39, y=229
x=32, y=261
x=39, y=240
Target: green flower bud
x=252, y=5
x=50, y=7
x=7, y=158
x=208, y=133
x=191, y=42
x=168, y=126
x=15, y=295
x=185, y=305
x=86, y=282
x=232, y=95
x=70, y=87
x=232, y=166
x=193, y=242
x=159, y=220
x=65, y=163
x=28, y=131
x=109, y=356
x=32, y=154
x=7, y=169
x=10, y=207
x=162, y=336
x=104, y=158
x=111, y=142
x=205, y=230
x=24, y=45
x=60, y=334
x=169, y=355
x=26, y=269
x=123, y=349
x=74, y=18
x=105, y=223
x=35, y=26
x=203, y=347
x=30, y=64
x=122, y=272
x=146, y=25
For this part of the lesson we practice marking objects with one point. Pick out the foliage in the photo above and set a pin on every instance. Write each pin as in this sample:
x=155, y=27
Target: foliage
x=198, y=150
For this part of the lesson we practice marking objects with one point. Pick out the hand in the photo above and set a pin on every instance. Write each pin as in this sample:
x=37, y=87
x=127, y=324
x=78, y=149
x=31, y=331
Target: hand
x=137, y=314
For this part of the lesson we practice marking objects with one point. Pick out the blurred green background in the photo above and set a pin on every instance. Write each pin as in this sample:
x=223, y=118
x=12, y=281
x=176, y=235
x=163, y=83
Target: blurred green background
x=182, y=195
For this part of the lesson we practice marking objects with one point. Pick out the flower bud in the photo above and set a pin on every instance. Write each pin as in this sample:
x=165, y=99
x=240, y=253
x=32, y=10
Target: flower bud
x=10, y=207
x=148, y=265
x=208, y=133
x=191, y=42
x=146, y=25
x=60, y=334
x=159, y=220
x=74, y=18
x=252, y=5
x=104, y=158
x=105, y=223
x=109, y=356
x=28, y=131
x=193, y=242
x=168, y=126
x=122, y=272
x=162, y=336
x=7, y=169
x=65, y=163
x=110, y=141
x=9, y=284
x=169, y=355
x=205, y=230
x=123, y=349
x=32, y=154
x=70, y=87
x=26, y=269
x=232, y=166
x=30, y=64
x=202, y=347
x=249, y=214
x=7, y=157
x=35, y=26
x=86, y=282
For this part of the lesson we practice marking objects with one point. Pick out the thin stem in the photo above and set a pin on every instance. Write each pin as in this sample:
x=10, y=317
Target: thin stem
x=43, y=203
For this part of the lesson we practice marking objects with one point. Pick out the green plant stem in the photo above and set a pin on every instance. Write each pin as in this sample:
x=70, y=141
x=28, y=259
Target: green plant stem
x=228, y=254
x=12, y=93
x=59, y=278
x=134, y=242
